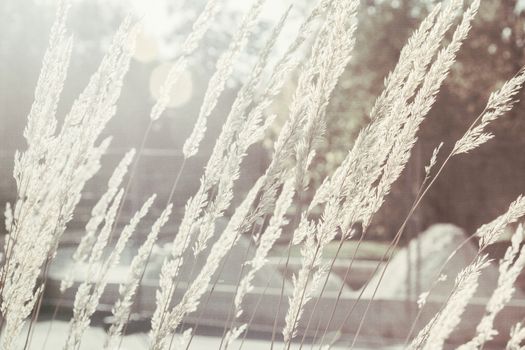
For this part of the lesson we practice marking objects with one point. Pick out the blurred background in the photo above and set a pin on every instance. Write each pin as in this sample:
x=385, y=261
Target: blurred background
x=472, y=190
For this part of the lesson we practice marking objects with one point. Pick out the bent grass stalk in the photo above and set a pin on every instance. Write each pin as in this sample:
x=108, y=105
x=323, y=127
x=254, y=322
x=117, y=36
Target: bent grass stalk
x=288, y=343
x=318, y=297
x=387, y=253
x=487, y=115
x=500, y=102
x=208, y=297
x=168, y=202
x=488, y=234
x=347, y=273
x=131, y=177
x=200, y=27
x=212, y=289
x=191, y=276
x=174, y=286
x=36, y=311
x=265, y=241
x=231, y=310
x=434, y=284
x=280, y=66
x=391, y=247
x=286, y=264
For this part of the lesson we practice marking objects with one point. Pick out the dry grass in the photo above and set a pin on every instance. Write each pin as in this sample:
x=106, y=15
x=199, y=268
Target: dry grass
x=52, y=171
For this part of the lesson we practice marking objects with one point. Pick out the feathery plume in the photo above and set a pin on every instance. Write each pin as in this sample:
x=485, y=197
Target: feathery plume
x=490, y=232
x=437, y=330
x=200, y=27
x=239, y=114
x=161, y=329
x=382, y=149
x=509, y=268
x=266, y=242
x=330, y=54
x=84, y=306
x=498, y=104
x=517, y=335
x=434, y=334
x=97, y=216
x=229, y=149
x=433, y=159
x=90, y=291
x=218, y=80
x=415, y=57
x=52, y=172
x=419, y=108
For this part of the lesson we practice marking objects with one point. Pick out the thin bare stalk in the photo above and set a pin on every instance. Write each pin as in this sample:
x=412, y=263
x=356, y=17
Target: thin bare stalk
x=254, y=313
x=131, y=176
x=391, y=247
x=347, y=273
x=53, y=317
x=399, y=232
x=288, y=255
x=414, y=207
x=295, y=319
x=433, y=285
x=232, y=305
x=168, y=201
x=36, y=311
x=340, y=292
x=325, y=283
x=208, y=297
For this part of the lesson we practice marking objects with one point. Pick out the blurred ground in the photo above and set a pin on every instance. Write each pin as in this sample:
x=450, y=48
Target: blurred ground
x=94, y=339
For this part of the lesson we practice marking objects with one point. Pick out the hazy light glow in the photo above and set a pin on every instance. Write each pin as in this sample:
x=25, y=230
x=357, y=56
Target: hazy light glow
x=181, y=92
x=146, y=49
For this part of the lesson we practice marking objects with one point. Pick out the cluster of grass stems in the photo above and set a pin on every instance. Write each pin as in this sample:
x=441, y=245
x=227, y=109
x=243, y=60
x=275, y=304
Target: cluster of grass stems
x=61, y=156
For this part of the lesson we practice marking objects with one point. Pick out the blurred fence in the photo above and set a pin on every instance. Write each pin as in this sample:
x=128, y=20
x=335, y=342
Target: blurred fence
x=155, y=173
